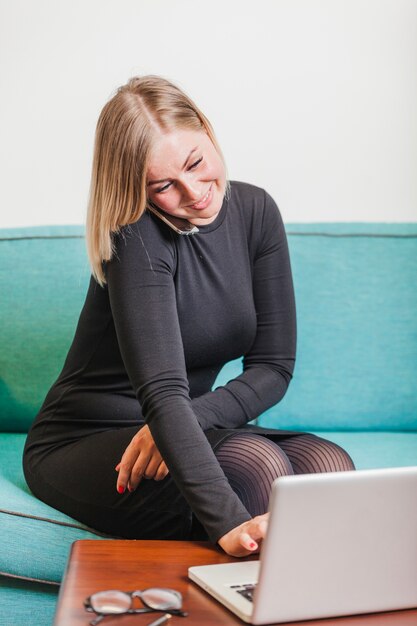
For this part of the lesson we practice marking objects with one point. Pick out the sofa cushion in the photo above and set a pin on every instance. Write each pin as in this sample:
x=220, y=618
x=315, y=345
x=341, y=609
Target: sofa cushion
x=36, y=537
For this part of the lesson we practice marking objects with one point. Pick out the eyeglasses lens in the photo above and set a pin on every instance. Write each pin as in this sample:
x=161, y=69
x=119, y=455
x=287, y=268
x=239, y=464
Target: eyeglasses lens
x=111, y=602
x=161, y=599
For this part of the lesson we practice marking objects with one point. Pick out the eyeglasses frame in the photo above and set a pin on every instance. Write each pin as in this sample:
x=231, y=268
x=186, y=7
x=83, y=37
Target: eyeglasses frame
x=133, y=594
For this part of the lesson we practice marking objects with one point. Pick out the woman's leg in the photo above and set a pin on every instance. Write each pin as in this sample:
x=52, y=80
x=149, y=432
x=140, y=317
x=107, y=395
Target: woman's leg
x=79, y=479
x=310, y=454
x=251, y=463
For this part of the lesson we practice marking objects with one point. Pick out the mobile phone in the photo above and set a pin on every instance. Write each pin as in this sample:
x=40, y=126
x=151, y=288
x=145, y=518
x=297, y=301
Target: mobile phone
x=178, y=224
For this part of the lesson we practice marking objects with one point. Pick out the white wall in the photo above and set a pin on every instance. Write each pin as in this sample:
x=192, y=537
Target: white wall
x=316, y=100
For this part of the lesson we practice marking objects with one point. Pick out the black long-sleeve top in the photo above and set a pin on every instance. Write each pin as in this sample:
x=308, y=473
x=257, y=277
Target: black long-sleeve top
x=175, y=309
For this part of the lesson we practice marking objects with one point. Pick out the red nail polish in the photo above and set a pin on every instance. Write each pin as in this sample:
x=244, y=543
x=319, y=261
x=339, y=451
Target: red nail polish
x=252, y=545
x=121, y=489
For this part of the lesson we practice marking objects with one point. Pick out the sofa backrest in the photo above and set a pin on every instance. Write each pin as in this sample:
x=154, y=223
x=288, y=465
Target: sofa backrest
x=356, y=299
x=43, y=280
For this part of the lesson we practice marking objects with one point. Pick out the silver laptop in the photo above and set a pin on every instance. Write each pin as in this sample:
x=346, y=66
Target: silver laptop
x=337, y=544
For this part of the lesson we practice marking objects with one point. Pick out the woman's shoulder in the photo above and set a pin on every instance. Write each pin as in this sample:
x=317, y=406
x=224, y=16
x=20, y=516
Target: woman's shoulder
x=253, y=196
x=256, y=210
x=254, y=202
x=144, y=239
x=146, y=230
x=245, y=190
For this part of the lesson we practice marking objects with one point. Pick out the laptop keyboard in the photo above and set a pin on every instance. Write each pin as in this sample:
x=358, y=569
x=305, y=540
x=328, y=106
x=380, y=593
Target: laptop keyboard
x=246, y=590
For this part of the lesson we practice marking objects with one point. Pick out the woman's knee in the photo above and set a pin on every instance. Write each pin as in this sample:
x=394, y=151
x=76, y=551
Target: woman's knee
x=309, y=453
x=251, y=463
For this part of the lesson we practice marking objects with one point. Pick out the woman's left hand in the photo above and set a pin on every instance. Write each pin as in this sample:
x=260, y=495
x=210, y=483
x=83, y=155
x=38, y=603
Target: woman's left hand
x=141, y=459
x=246, y=538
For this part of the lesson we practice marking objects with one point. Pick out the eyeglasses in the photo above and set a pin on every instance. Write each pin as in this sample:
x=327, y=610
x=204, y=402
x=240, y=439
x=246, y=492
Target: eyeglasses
x=114, y=602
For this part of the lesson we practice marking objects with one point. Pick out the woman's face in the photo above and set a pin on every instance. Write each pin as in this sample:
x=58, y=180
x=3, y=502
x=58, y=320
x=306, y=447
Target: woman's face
x=186, y=176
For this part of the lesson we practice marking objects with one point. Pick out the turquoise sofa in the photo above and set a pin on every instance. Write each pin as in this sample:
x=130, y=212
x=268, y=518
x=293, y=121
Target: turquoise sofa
x=355, y=379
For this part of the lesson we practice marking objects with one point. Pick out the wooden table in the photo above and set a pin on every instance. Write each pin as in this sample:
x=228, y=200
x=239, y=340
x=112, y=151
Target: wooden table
x=95, y=565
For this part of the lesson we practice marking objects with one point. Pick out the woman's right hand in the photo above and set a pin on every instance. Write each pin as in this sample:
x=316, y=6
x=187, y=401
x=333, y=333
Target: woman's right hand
x=141, y=459
x=246, y=538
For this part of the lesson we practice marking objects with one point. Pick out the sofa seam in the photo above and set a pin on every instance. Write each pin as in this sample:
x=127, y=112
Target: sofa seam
x=30, y=237
x=289, y=232
x=44, y=581
x=52, y=521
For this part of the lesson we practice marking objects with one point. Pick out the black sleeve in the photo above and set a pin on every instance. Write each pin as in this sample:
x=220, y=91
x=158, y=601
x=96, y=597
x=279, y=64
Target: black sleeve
x=143, y=303
x=268, y=366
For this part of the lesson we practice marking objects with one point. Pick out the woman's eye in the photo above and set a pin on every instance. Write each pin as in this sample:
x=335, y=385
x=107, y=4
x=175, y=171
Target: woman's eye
x=166, y=187
x=162, y=189
x=195, y=164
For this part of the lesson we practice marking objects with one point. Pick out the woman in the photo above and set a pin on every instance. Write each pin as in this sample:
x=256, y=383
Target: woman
x=131, y=439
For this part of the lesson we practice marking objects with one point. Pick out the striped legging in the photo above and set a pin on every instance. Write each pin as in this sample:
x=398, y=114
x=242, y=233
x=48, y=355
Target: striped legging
x=251, y=463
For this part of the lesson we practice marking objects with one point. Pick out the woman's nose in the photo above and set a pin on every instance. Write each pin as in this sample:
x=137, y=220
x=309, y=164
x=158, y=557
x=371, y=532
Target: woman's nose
x=191, y=191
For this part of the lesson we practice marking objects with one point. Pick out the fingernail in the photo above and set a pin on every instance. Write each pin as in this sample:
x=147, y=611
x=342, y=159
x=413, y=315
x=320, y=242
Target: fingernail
x=130, y=488
x=252, y=545
x=121, y=489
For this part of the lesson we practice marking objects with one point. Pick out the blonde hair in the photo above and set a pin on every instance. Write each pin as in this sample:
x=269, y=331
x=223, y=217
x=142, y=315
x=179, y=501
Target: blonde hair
x=123, y=141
